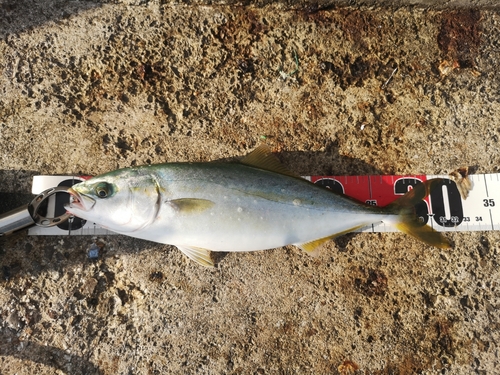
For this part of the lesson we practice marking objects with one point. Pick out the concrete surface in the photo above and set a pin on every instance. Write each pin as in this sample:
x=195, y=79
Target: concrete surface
x=88, y=87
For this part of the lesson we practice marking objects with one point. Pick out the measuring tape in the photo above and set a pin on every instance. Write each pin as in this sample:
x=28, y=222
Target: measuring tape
x=444, y=209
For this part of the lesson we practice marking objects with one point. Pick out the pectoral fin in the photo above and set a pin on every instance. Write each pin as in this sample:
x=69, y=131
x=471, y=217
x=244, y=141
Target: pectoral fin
x=191, y=205
x=198, y=254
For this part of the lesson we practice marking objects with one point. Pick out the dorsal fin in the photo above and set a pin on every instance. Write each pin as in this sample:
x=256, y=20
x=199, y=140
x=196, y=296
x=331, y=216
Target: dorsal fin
x=263, y=158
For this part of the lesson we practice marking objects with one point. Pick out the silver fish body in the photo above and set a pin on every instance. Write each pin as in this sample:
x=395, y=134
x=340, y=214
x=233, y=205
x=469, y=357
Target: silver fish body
x=202, y=207
x=235, y=207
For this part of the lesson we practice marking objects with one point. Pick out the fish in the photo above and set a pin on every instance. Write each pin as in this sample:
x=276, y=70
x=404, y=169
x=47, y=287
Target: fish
x=250, y=205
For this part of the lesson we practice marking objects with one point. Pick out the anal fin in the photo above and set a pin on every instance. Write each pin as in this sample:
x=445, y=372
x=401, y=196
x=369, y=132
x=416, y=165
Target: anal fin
x=313, y=247
x=198, y=254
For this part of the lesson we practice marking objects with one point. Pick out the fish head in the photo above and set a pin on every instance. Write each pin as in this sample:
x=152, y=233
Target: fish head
x=123, y=201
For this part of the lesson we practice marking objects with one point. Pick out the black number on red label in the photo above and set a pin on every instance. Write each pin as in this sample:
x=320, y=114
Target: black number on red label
x=402, y=186
x=331, y=184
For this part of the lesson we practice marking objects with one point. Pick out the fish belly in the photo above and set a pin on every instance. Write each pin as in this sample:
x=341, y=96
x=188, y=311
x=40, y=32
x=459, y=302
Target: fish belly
x=245, y=228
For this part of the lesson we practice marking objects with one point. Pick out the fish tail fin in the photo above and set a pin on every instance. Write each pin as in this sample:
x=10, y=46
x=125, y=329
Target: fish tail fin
x=407, y=220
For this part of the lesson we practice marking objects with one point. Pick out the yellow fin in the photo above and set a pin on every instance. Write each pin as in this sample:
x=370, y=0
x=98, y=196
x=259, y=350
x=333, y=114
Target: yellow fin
x=191, y=205
x=407, y=221
x=423, y=233
x=313, y=247
x=198, y=254
x=263, y=158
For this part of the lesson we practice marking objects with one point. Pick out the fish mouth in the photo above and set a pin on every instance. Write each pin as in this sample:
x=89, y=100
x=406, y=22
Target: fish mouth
x=79, y=201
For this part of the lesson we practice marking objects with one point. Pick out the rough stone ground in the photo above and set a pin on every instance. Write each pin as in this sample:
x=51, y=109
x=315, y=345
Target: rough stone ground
x=88, y=87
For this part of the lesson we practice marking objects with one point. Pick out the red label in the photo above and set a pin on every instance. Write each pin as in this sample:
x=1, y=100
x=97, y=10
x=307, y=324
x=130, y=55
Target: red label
x=373, y=190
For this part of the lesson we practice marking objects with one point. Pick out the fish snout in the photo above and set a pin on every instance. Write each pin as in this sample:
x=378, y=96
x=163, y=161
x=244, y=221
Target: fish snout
x=79, y=201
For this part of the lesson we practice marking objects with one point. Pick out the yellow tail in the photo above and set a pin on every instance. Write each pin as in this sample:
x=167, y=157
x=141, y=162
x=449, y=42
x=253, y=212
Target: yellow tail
x=407, y=221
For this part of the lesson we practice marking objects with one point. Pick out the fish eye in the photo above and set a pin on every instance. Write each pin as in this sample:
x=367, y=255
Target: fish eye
x=103, y=190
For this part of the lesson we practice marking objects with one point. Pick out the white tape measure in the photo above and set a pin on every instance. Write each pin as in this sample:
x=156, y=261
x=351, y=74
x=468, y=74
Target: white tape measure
x=444, y=210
